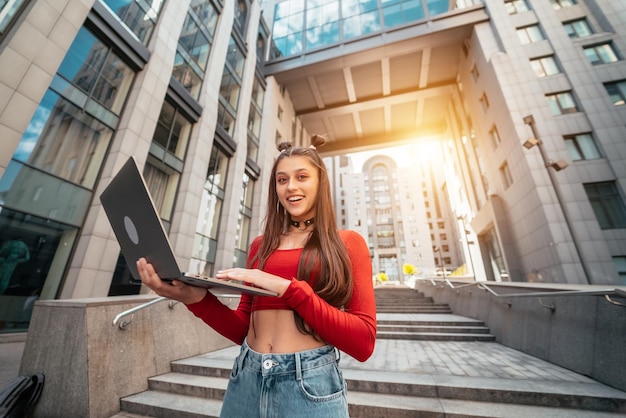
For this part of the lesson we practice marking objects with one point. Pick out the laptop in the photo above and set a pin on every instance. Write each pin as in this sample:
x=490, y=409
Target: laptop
x=140, y=233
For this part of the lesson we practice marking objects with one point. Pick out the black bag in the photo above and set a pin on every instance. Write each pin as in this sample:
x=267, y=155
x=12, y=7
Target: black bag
x=19, y=398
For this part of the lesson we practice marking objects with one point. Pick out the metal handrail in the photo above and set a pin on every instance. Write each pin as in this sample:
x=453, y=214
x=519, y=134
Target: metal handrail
x=607, y=293
x=171, y=304
x=124, y=324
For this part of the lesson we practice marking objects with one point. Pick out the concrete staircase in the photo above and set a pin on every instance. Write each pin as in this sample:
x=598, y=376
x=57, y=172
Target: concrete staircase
x=419, y=369
x=406, y=314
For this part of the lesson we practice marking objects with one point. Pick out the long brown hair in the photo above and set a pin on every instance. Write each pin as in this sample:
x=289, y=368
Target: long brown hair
x=324, y=262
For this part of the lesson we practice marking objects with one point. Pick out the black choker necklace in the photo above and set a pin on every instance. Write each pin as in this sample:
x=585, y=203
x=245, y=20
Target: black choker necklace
x=306, y=223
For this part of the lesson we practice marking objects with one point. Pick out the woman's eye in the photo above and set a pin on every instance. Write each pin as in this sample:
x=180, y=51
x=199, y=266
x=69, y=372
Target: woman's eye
x=281, y=180
x=302, y=177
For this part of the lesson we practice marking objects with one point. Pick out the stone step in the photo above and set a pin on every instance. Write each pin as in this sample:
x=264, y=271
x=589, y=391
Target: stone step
x=468, y=329
x=366, y=405
x=416, y=310
x=434, y=336
x=158, y=404
x=422, y=322
x=155, y=404
x=389, y=394
x=395, y=298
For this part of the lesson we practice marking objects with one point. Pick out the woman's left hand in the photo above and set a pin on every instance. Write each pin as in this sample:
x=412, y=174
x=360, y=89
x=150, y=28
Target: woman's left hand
x=257, y=278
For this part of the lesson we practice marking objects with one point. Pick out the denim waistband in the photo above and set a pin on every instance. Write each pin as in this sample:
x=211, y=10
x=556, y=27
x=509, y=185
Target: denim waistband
x=272, y=363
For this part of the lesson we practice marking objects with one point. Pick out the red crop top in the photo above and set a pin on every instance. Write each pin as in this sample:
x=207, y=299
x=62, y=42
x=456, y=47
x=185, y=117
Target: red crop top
x=352, y=330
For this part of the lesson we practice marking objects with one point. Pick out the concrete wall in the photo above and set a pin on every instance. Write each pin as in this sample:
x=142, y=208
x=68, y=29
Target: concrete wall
x=586, y=334
x=89, y=363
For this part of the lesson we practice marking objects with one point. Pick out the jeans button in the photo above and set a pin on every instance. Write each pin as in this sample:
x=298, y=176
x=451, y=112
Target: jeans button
x=267, y=364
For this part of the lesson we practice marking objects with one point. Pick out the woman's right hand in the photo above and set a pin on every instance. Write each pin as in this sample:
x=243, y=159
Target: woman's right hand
x=177, y=290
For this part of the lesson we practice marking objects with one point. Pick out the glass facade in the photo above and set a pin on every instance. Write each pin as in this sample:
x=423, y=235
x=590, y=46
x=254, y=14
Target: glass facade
x=48, y=185
x=302, y=25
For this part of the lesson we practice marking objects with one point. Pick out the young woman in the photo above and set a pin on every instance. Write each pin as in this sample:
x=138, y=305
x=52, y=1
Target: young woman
x=288, y=362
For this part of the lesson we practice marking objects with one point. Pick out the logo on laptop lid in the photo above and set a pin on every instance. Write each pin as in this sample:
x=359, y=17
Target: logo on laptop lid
x=131, y=230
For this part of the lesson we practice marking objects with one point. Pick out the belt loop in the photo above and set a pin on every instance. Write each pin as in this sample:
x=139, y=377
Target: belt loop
x=298, y=366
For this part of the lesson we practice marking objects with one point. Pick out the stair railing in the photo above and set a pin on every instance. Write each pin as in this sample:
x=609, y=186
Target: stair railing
x=124, y=323
x=607, y=293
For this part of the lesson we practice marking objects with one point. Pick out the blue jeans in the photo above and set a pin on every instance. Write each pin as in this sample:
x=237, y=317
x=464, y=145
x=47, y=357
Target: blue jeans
x=302, y=384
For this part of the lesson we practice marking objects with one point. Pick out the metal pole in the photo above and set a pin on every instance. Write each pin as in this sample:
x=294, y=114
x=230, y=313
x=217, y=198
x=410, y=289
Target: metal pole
x=530, y=121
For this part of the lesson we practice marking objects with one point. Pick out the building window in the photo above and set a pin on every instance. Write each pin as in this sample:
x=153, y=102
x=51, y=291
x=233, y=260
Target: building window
x=139, y=16
x=484, y=102
x=162, y=182
x=95, y=69
x=360, y=17
x=505, y=173
x=205, y=240
x=544, y=66
x=254, y=119
x=194, y=46
x=516, y=6
x=241, y=16
x=577, y=28
x=530, y=34
x=475, y=73
x=620, y=264
x=581, y=147
x=607, y=204
x=288, y=27
x=562, y=103
x=617, y=92
x=495, y=136
x=9, y=10
x=172, y=132
x=398, y=13
x=600, y=54
x=244, y=220
x=230, y=87
x=562, y=4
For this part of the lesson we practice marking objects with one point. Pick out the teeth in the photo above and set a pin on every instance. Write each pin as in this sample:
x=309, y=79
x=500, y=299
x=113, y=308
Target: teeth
x=294, y=199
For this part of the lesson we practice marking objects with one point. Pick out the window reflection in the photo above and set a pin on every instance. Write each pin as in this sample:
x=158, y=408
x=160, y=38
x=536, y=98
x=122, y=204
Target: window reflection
x=9, y=10
x=194, y=46
x=172, y=131
x=97, y=71
x=62, y=140
x=230, y=87
x=205, y=241
x=139, y=16
x=324, y=22
x=244, y=219
x=33, y=254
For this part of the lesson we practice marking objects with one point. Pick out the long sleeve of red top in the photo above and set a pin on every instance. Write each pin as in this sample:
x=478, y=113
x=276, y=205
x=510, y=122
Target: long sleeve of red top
x=351, y=330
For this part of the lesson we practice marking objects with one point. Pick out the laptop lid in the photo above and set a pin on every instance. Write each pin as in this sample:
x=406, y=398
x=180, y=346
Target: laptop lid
x=136, y=223
x=140, y=233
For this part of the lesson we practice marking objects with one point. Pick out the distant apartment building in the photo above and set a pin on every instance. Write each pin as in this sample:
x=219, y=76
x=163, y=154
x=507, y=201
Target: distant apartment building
x=525, y=97
x=389, y=206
